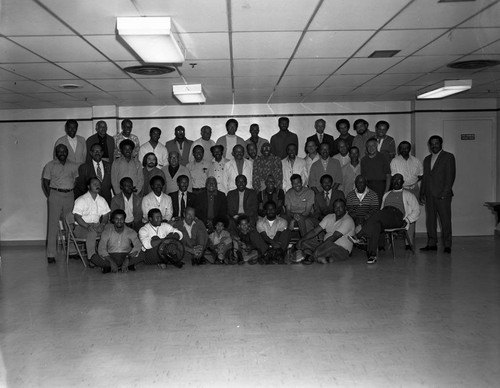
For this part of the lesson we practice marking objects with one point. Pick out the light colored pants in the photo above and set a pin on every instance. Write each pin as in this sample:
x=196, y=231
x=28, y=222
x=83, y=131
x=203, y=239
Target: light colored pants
x=59, y=205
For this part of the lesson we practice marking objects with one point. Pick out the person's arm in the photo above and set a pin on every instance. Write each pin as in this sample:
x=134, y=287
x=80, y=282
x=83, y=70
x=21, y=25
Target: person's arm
x=102, y=224
x=102, y=248
x=449, y=177
x=387, y=182
x=46, y=186
x=136, y=244
x=169, y=210
x=309, y=235
x=412, y=207
x=309, y=206
x=144, y=237
x=334, y=237
x=114, y=177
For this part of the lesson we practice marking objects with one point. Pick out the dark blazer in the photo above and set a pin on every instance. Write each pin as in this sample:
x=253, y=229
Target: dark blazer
x=328, y=139
x=199, y=235
x=321, y=208
x=85, y=172
x=438, y=182
x=119, y=203
x=388, y=147
x=110, y=142
x=190, y=201
x=186, y=149
x=250, y=205
x=201, y=205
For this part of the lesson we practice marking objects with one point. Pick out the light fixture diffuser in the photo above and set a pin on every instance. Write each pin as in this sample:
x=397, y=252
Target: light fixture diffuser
x=151, y=38
x=189, y=94
x=450, y=87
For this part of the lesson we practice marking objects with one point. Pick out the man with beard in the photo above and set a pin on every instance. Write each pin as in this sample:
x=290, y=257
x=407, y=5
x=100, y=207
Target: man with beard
x=154, y=146
x=150, y=170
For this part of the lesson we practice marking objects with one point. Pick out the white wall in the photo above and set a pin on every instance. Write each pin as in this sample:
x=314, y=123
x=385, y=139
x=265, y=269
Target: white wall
x=27, y=138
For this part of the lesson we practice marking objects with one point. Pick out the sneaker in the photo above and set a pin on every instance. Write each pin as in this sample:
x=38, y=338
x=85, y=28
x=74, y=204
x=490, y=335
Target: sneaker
x=371, y=260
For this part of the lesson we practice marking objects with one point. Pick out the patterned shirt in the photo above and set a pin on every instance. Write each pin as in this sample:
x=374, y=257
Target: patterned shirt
x=264, y=166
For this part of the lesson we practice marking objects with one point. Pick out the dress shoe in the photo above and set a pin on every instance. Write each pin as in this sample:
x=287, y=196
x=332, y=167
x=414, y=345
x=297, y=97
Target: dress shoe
x=429, y=248
x=106, y=270
x=447, y=250
x=308, y=260
x=131, y=267
x=51, y=260
x=408, y=247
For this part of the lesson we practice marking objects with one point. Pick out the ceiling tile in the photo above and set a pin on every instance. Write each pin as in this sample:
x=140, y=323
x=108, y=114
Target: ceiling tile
x=159, y=84
x=132, y=95
x=258, y=68
x=390, y=79
x=302, y=81
x=255, y=82
x=461, y=41
x=212, y=82
x=56, y=84
x=60, y=48
x=345, y=81
x=38, y=71
x=432, y=14
x=423, y=64
x=331, y=44
x=367, y=65
x=294, y=92
x=52, y=97
x=206, y=68
x=24, y=86
x=286, y=100
x=262, y=15
x=6, y=75
x=123, y=64
x=407, y=41
x=264, y=44
x=488, y=18
x=493, y=48
x=113, y=85
x=11, y=52
x=339, y=15
x=332, y=91
x=111, y=46
x=206, y=45
x=94, y=70
x=315, y=66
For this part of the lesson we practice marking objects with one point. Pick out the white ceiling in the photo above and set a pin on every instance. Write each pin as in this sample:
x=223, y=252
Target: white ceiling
x=246, y=51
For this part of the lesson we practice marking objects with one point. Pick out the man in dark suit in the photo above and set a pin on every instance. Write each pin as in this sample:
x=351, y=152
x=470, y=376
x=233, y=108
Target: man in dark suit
x=242, y=200
x=321, y=137
x=129, y=202
x=386, y=144
x=210, y=204
x=436, y=193
x=180, y=144
x=101, y=137
x=323, y=201
x=94, y=168
x=181, y=199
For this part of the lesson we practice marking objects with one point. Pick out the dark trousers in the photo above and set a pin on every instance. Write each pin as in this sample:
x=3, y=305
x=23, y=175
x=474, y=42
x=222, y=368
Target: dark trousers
x=151, y=257
x=328, y=249
x=435, y=207
x=118, y=258
x=254, y=240
x=283, y=238
x=387, y=218
x=378, y=187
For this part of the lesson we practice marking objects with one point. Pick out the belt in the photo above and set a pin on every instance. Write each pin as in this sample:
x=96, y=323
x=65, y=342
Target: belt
x=62, y=190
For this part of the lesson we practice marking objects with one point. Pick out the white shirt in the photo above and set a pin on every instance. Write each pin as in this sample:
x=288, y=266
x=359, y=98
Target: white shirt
x=299, y=167
x=434, y=158
x=231, y=141
x=148, y=231
x=91, y=209
x=160, y=151
x=343, y=159
x=410, y=169
x=206, y=144
x=362, y=195
x=129, y=208
x=72, y=142
x=231, y=172
x=163, y=202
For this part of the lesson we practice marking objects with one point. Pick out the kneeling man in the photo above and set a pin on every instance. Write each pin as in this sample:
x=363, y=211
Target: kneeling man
x=195, y=236
x=119, y=247
x=335, y=245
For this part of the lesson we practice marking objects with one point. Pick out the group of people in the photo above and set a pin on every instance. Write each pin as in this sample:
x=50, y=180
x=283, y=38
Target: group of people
x=242, y=201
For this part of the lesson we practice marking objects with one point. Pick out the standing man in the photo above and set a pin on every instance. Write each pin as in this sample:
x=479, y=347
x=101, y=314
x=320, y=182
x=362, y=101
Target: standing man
x=343, y=153
x=321, y=137
x=375, y=167
x=205, y=142
x=255, y=139
x=106, y=142
x=230, y=140
x=130, y=203
x=311, y=157
x=126, y=133
x=386, y=144
x=77, y=148
x=173, y=171
x=363, y=134
x=409, y=166
x=326, y=165
x=266, y=164
x=154, y=146
x=127, y=166
x=94, y=168
x=58, y=179
x=436, y=193
x=343, y=126
x=180, y=144
x=292, y=165
x=218, y=166
x=280, y=140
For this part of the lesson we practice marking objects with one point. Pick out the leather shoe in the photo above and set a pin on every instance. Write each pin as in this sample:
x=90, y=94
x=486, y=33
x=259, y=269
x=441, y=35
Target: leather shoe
x=447, y=250
x=106, y=270
x=429, y=248
x=131, y=267
x=51, y=260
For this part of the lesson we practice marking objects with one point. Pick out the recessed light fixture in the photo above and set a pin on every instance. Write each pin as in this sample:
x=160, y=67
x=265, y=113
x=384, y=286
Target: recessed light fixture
x=383, y=53
x=70, y=86
x=149, y=69
x=189, y=94
x=447, y=89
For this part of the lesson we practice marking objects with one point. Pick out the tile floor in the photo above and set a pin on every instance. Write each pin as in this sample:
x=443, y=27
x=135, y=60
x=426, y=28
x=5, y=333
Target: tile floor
x=429, y=320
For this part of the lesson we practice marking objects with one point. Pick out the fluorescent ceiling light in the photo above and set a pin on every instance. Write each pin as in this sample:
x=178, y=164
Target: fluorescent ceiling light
x=189, y=94
x=151, y=38
x=449, y=88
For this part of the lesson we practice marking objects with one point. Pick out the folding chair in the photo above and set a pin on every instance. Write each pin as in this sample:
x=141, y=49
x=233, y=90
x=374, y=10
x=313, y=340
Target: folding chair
x=78, y=243
x=391, y=235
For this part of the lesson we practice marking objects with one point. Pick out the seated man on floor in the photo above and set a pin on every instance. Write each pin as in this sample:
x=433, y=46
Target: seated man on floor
x=157, y=199
x=274, y=231
x=219, y=242
x=119, y=247
x=361, y=202
x=130, y=203
x=195, y=237
x=299, y=205
x=91, y=213
x=152, y=235
x=335, y=245
x=324, y=200
x=399, y=209
x=249, y=243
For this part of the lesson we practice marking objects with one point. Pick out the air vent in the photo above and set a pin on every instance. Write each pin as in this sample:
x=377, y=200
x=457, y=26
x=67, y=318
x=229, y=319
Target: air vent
x=383, y=53
x=150, y=69
x=70, y=86
x=474, y=64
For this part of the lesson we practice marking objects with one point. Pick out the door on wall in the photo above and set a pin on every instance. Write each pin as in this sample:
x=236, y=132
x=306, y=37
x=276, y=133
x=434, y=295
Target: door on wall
x=473, y=144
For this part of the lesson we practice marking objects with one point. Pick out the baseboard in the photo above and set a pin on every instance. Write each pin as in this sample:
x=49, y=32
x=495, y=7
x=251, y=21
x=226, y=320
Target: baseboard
x=22, y=243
